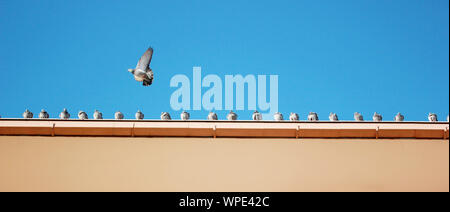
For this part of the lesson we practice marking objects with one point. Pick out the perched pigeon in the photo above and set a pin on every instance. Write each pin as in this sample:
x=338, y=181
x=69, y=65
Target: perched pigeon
x=43, y=114
x=278, y=116
x=98, y=115
x=212, y=116
x=313, y=117
x=118, y=115
x=82, y=115
x=256, y=116
x=27, y=114
x=165, y=116
x=399, y=117
x=184, y=116
x=64, y=114
x=358, y=117
x=139, y=115
x=333, y=117
x=377, y=117
x=143, y=73
x=293, y=117
x=432, y=117
x=232, y=116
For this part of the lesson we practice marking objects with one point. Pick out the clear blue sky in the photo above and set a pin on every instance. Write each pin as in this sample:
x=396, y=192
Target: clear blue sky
x=331, y=56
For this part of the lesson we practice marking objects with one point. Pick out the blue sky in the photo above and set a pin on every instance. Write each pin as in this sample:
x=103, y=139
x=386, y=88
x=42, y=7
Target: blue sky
x=331, y=56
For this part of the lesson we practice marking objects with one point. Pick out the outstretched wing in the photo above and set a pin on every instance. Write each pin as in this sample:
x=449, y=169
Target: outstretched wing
x=145, y=60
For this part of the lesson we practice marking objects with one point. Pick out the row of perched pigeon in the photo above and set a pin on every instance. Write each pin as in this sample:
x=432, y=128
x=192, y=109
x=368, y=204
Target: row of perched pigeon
x=231, y=116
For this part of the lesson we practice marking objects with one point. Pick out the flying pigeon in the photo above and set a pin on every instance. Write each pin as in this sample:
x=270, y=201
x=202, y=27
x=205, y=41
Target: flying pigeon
x=278, y=116
x=293, y=117
x=143, y=73
x=118, y=115
x=358, y=117
x=82, y=115
x=256, y=116
x=165, y=116
x=232, y=116
x=399, y=117
x=432, y=117
x=27, y=114
x=212, y=116
x=333, y=117
x=184, y=115
x=139, y=115
x=98, y=115
x=43, y=114
x=313, y=117
x=377, y=117
x=64, y=114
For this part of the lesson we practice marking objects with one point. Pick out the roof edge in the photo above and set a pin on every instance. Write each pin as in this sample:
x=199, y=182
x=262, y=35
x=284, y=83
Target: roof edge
x=214, y=129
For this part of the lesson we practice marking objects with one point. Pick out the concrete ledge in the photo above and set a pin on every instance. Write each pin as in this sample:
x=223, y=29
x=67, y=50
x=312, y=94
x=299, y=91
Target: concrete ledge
x=244, y=129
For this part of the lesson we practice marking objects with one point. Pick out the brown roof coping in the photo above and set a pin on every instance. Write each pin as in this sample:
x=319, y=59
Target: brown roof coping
x=238, y=129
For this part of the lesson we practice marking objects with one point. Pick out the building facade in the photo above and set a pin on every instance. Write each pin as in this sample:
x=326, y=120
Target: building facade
x=143, y=155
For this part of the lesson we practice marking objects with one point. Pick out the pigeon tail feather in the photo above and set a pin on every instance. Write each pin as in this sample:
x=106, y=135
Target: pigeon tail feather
x=149, y=79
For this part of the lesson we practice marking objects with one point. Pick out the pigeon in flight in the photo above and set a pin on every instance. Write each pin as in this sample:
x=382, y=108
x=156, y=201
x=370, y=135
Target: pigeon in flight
x=43, y=114
x=143, y=73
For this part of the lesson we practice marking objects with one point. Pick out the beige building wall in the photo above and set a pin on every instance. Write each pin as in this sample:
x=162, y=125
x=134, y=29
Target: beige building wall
x=33, y=163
